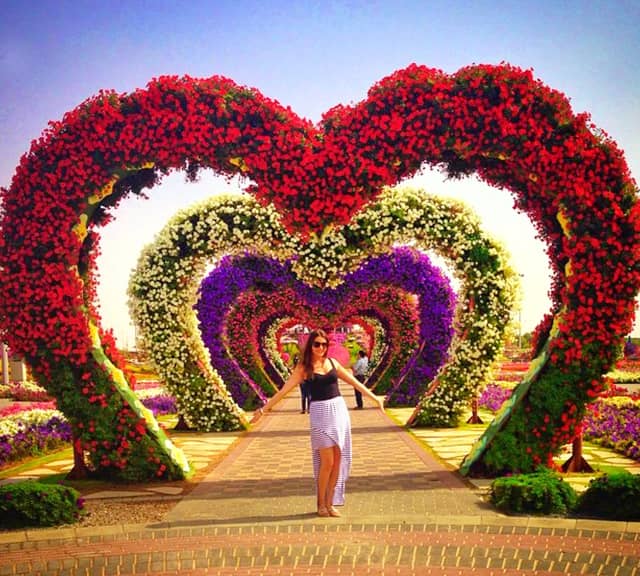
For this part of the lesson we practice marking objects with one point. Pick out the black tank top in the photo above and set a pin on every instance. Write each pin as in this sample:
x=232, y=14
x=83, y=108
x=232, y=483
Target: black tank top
x=324, y=386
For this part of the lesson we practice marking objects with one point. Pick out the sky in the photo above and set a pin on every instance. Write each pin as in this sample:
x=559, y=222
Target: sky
x=311, y=56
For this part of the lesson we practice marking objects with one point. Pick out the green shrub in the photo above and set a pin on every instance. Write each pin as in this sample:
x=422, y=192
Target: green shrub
x=615, y=496
x=537, y=493
x=36, y=504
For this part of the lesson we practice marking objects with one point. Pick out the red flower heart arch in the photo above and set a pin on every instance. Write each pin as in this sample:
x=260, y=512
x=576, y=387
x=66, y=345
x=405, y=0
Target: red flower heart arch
x=494, y=121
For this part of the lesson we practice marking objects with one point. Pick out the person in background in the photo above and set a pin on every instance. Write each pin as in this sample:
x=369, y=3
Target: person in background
x=305, y=398
x=328, y=416
x=360, y=368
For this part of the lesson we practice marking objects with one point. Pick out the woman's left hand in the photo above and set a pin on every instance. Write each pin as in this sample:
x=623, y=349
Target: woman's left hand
x=380, y=401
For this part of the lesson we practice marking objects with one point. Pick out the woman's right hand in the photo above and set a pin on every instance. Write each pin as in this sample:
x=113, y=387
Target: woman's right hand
x=256, y=416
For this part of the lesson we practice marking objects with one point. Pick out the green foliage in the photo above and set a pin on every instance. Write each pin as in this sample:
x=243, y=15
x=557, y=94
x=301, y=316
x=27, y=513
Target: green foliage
x=386, y=380
x=430, y=417
x=504, y=456
x=259, y=376
x=555, y=397
x=353, y=346
x=291, y=348
x=614, y=496
x=142, y=465
x=624, y=376
x=539, y=493
x=36, y=504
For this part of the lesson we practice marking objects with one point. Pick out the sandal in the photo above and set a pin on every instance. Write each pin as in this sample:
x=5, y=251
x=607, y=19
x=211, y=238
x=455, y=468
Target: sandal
x=333, y=512
x=323, y=512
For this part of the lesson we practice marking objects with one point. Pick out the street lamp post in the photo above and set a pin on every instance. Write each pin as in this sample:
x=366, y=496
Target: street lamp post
x=520, y=328
x=520, y=320
x=5, y=364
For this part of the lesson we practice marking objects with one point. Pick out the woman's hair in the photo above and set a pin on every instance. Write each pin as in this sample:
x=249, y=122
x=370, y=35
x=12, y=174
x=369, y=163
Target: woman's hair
x=307, y=361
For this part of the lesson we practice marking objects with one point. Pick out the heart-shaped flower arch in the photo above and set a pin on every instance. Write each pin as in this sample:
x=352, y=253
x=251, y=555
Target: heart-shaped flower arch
x=394, y=305
x=373, y=337
x=164, y=286
x=496, y=121
x=277, y=360
x=405, y=268
x=402, y=384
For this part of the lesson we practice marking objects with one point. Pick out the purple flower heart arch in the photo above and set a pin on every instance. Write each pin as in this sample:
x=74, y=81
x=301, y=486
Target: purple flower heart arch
x=319, y=311
x=495, y=121
x=404, y=268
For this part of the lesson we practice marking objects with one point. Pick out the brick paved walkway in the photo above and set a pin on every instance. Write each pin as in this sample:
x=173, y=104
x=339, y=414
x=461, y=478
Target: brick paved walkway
x=405, y=514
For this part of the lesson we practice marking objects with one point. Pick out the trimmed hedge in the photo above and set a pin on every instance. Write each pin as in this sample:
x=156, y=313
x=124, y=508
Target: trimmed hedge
x=614, y=496
x=539, y=493
x=36, y=504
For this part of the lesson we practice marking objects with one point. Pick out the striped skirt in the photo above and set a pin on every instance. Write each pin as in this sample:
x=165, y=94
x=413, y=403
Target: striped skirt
x=331, y=426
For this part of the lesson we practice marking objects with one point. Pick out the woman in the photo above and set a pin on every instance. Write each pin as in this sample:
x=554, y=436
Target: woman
x=329, y=417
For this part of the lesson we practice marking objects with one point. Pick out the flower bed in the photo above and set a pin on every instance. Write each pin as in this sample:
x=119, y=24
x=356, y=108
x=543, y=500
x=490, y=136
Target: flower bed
x=628, y=365
x=147, y=384
x=494, y=396
x=621, y=375
x=34, y=429
x=28, y=433
x=160, y=404
x=612, y=422
x=24, y=392
x=615, y=423
x=14, y=409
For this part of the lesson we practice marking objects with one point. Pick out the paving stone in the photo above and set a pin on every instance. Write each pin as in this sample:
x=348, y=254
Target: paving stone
x=169, y=490
x=111, y=494
x=36, y=472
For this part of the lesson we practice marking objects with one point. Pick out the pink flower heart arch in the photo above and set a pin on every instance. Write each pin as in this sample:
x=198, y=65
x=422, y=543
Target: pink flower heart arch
x=494, y=121
x=277, y=352
x=375, y=324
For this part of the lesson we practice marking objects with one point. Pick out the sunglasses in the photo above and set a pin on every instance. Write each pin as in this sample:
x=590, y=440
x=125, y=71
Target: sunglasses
x=317, y=344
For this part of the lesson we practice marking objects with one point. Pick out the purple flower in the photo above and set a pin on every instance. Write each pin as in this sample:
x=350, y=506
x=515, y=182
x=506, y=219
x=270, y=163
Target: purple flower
x=493, y=397
x=614, y=425
x=161, y=404
x=404, y=268
x=34, y=439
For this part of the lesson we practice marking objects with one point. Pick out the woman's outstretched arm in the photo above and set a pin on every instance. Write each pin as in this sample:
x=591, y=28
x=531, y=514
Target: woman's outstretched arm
x=296, y=378
x=349, y=378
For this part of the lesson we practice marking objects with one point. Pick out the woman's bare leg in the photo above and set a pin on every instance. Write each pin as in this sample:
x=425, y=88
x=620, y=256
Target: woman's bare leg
x=324, y=476
x=333, y=477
